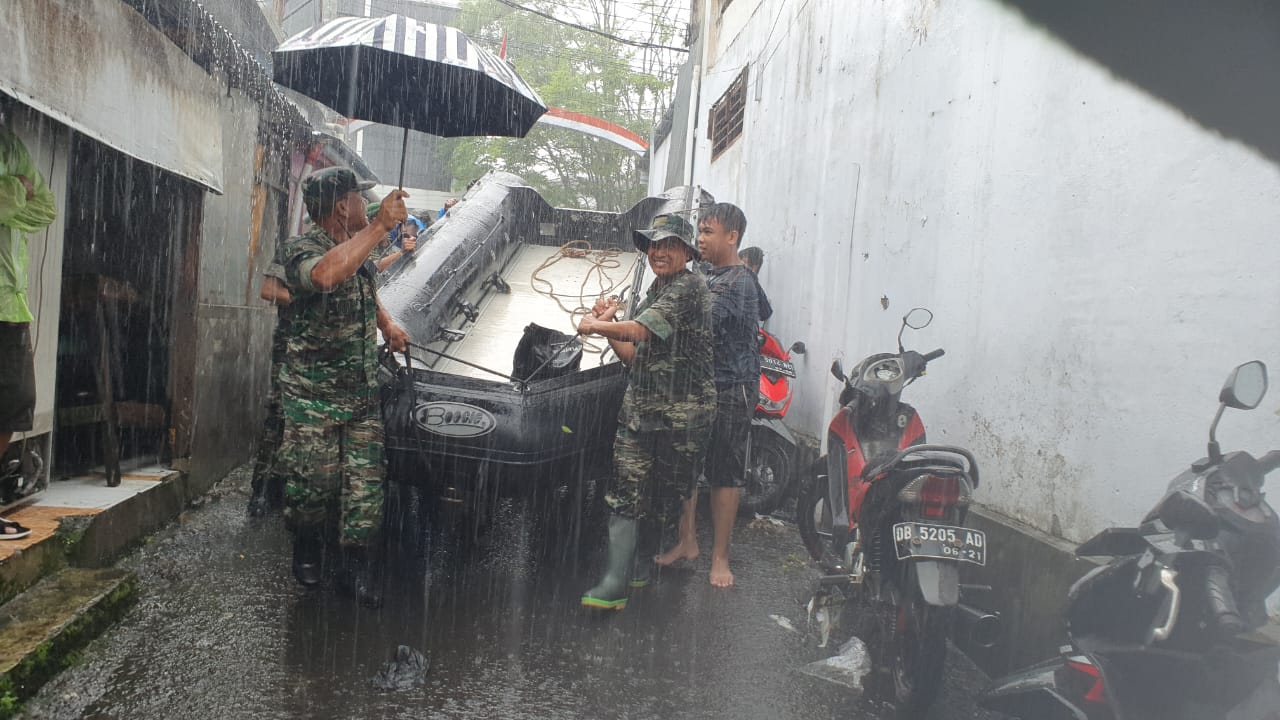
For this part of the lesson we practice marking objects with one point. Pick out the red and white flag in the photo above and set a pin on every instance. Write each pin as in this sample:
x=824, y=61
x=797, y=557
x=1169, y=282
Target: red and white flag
x=596, y=127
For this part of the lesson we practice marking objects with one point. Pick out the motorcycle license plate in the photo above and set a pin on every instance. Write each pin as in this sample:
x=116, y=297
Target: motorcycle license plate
x=773, y=364
x=943, y=542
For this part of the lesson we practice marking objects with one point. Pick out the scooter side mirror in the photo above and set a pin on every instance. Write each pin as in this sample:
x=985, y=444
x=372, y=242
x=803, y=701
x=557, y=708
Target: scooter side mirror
x=1246, y=386
x=1244, y=389
x=797, y=347
x=918, y=318
x=838, y=371
x=915, y=319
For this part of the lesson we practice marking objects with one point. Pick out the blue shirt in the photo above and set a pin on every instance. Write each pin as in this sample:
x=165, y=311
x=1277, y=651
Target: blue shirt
x=735, y=319
x=395, y=232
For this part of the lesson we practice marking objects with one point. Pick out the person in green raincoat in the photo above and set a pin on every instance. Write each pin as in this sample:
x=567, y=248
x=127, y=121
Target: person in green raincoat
x=26, y=205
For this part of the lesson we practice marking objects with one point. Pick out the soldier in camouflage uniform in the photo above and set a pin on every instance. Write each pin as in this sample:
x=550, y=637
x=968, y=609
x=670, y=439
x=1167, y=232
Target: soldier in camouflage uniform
x=665, y=421
x=332, y=448
x=268, y=483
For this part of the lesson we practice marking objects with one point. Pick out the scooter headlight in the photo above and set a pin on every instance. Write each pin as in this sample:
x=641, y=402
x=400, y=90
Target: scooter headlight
x=885, y=371
x=770, y=405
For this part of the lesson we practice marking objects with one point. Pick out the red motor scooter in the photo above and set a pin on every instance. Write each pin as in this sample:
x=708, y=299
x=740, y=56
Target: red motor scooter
x=886, y=524
x=772, y=446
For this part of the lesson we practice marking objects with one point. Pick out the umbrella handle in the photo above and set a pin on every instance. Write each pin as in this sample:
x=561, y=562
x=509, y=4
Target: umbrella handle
x=404, y=151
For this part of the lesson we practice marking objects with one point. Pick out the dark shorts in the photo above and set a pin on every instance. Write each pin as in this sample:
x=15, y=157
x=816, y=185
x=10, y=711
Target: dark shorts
x=17, y=378
x=727, y=454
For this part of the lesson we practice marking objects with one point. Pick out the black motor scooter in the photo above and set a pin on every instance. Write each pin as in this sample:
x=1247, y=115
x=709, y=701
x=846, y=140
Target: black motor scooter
x=1160, y=630
x=886, y=522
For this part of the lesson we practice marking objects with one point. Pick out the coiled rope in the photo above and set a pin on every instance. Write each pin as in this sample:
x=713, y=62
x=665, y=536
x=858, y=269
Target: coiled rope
x=602, y=261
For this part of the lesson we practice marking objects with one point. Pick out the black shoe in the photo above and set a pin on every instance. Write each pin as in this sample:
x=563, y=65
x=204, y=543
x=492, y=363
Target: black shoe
x=259, y=506
x=275, y=497
x=267, y=496
x=257, y=496
x=308, y=553
x=361, y=575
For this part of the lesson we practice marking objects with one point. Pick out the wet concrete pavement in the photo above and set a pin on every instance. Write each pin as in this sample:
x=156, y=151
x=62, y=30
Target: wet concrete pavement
x=221, y=631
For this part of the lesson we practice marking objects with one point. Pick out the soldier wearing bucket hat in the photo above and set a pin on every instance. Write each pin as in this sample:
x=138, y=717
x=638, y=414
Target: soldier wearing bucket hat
x=665, y=421
x=329, y=383
x=667, y=226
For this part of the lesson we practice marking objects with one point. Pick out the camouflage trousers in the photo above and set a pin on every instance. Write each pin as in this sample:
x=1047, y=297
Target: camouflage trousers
x=265, y=471
x=655, y=470
x=332, y=461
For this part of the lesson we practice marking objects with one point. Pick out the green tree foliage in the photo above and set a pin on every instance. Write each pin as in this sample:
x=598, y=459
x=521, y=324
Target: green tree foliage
x=582, y=72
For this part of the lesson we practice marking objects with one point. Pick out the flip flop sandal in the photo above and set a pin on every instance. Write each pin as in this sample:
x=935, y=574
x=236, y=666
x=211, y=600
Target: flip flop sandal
x=10, y=530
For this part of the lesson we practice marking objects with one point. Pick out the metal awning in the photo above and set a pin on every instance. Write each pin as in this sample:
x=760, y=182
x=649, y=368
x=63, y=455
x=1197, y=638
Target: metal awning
x=98, y=67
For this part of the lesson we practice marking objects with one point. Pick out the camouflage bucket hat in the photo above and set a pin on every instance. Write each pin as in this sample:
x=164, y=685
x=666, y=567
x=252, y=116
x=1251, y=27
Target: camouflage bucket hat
x=665, y=226
x=323, y=188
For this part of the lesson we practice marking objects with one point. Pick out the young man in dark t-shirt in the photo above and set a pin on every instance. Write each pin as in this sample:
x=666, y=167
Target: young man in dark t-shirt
x=735, y=317
x=753, y=258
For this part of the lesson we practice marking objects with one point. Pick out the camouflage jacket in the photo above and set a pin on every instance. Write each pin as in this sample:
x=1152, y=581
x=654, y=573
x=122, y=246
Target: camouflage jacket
x=671, y=384
x=332, y=352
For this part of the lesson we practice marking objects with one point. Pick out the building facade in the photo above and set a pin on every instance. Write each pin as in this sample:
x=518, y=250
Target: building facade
x=174, y=161
x=1085, y=196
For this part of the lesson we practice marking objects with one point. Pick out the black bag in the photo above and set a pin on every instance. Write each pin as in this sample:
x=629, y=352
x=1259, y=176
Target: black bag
x=544, y=353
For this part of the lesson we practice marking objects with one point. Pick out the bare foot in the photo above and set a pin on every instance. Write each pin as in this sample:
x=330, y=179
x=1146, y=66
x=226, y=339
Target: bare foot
x=676, y=554
x=721, y=576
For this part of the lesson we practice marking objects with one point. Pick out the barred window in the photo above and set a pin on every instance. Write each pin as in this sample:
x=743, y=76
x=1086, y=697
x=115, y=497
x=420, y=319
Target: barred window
x=724, y=122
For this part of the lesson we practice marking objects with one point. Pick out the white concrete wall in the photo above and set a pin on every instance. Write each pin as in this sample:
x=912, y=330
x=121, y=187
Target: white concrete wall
x=1096, y=260
x=659, y=158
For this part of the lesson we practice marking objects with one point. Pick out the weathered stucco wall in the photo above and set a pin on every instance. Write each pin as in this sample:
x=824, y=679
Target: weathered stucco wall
x=122, y=84
x=1097, y=258
x=238, y=236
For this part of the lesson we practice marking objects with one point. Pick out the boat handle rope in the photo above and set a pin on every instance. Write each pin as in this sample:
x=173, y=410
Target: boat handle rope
x=446, y=356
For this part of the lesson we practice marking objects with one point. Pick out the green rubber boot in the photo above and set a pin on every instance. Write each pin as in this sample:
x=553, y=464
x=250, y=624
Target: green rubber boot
x=648, y=544
x=611, y=592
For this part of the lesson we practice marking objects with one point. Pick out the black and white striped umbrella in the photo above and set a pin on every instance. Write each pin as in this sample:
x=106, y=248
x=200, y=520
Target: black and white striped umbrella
x=397, y=71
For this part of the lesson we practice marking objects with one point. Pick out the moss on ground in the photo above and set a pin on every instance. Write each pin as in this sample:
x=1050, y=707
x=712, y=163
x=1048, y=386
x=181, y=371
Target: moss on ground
x=71, y=531
x=63, y=649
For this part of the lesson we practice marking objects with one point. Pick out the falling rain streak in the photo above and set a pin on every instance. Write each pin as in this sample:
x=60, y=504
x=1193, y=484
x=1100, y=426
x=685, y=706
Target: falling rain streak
x=436, y=476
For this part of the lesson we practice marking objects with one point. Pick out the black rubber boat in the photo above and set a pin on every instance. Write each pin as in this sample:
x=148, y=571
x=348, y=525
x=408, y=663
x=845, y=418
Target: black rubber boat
x=497, y=394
